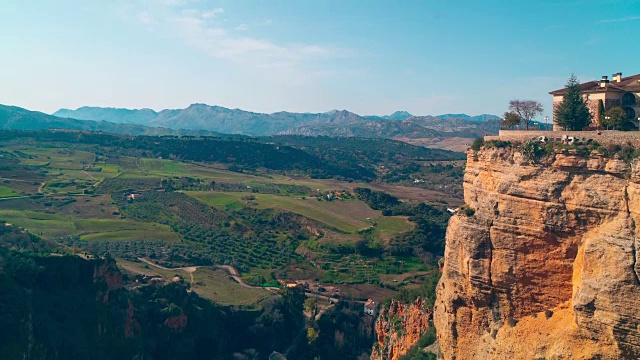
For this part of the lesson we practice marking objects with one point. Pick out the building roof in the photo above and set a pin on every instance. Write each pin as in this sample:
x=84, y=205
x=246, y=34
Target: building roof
x=370, y=304
x=626, y=84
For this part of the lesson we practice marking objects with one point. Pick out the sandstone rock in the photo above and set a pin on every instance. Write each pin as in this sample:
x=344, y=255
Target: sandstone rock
x=563, y=160
x=547, y=266
x=398, y=328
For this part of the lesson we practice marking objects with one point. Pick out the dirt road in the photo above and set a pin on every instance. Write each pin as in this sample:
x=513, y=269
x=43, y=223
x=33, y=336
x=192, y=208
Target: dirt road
x=191, y=269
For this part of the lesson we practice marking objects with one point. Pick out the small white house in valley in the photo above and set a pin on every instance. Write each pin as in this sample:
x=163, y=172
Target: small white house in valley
x=370, y=307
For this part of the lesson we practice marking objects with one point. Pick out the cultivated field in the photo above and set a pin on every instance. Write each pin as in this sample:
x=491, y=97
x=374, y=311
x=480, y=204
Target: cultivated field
x=57, y=193
x=347, y=216
x=7, y=192
x=52, y=225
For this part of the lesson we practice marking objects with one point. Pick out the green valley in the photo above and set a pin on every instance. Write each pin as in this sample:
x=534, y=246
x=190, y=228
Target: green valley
x=276, y=213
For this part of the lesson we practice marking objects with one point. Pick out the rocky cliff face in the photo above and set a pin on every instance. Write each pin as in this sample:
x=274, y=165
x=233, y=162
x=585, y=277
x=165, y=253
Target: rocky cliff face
x=547, y=266
x=398, y=328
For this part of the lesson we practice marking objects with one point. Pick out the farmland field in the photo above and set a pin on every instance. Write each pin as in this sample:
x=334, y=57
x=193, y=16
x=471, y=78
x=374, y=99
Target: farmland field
x=112, y=229
x=49, y=225
x=43, y=224
x=136, y=234
x=267, y=224
x=348, y=216
x=20, y=186
x=388, y=226
x=7, y=192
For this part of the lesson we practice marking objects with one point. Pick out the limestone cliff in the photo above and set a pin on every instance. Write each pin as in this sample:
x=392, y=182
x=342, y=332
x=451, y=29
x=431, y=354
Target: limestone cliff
x=546, y=267
x=398, y=328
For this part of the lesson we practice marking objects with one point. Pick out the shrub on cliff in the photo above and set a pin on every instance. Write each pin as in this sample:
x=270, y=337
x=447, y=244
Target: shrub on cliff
x=467, y=210
x=534, y=150
x=499, y=144
x=477, y=143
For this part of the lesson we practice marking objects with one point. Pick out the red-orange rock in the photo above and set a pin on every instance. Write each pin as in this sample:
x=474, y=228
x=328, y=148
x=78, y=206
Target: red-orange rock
x=398, y=328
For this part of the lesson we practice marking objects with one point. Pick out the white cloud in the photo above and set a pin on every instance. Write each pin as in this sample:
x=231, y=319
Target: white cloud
x=210, y=14
x=242, y=27
x=206, y=29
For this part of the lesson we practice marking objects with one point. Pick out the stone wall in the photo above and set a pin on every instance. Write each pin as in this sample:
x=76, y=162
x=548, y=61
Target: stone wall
x=602, y=137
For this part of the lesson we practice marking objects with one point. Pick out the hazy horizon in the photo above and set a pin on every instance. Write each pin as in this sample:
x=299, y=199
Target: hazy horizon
x=370, y=58
x=249, y=110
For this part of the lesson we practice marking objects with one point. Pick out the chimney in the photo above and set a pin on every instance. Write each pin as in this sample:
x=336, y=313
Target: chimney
x=604, y=82
x=617, y=77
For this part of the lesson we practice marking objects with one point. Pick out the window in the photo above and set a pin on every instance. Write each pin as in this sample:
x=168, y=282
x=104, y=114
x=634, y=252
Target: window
x=631, y=114
x=629, y=99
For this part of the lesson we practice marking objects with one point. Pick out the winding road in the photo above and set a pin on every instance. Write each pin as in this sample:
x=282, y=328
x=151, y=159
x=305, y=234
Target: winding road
x=236, y=276
x=230, y=269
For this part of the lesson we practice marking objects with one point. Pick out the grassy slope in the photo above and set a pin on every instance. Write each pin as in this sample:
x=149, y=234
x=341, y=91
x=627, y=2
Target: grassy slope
x=212, y=284
x=347, y=216
x=50, y=226
x=7, y=192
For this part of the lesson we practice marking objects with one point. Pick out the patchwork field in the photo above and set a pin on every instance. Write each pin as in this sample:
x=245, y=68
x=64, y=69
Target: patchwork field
x=51, y=225
x=103, y=229
x=7, y=192
x=388, y=226
x=104, y=204
x=348, y=216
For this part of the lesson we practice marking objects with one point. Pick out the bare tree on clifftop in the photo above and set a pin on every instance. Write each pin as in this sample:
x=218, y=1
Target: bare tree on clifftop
x=526, y=110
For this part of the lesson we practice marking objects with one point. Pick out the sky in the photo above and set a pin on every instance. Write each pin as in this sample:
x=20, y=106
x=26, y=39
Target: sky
x=427, y=57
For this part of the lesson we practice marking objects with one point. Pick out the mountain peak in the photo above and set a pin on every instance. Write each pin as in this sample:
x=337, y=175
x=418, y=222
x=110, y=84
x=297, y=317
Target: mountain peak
x=399, y=115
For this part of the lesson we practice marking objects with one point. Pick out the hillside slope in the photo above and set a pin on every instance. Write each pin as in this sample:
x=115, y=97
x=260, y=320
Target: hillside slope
x=16, y=118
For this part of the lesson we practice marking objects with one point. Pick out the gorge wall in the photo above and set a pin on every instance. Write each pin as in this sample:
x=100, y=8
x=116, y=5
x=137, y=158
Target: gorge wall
x=547, y=265
x=398, y=328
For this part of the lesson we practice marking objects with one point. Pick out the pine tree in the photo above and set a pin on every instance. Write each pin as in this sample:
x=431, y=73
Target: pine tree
x=601, y=112
x=572, y=113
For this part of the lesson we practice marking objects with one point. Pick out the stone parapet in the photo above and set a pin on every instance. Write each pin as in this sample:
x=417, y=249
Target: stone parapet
x=602, y=137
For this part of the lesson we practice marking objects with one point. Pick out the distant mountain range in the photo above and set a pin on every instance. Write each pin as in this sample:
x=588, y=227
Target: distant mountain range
x=333, y=123
x=16, y=118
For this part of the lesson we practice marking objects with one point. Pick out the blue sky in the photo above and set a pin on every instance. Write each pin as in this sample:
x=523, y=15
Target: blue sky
x=370, y=57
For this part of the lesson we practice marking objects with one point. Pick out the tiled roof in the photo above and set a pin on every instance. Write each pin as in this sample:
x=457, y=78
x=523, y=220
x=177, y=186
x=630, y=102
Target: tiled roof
x=370, y=304
x=629, y=83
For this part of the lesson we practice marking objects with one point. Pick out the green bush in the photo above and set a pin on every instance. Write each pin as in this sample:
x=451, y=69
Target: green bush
x=498, y=144
x=534, y=150
x=477, y=144
x=467, y=210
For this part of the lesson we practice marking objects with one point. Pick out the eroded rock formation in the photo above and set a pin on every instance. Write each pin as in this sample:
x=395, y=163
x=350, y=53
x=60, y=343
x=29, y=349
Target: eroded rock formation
x=546, y=267
x=398, y=328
